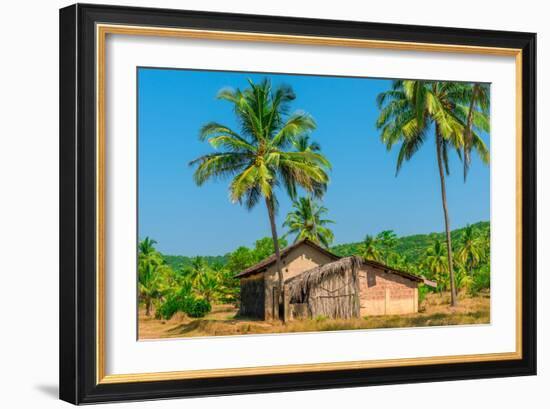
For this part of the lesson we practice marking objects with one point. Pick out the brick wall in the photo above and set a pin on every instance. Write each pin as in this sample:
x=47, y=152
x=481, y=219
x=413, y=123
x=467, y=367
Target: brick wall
x=384, y=293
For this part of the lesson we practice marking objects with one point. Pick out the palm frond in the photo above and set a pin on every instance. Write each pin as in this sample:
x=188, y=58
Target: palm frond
x=408, y=148
x=218, y=166
x=299, y=123
x=231, y=143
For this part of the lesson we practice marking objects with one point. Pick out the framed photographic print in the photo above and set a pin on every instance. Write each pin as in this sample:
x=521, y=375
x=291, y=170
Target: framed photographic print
x=257, y=203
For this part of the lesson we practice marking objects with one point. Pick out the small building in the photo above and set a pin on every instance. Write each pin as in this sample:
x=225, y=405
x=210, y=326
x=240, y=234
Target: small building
x=319, y=283
x=260, y=283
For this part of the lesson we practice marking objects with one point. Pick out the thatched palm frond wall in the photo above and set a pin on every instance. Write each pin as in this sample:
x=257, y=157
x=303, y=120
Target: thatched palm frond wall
x=330, y=290
x=252, y=298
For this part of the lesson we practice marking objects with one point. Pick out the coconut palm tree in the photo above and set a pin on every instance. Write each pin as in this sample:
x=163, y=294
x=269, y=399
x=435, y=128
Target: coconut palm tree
x=149, y=277
x=303, y=143
x=306, y=222
x=228, y=287
x=410, y=110
x=370, y=249
x=208, y=287
x=147, y=253
x=471, y=250
x=154, y=281
x=259, y=159
x=485, y=239
x=148, y=289
x=462, y=276
x=146, y=247
x=379, y=247
x=388, y=241
x=435, y=261
x=198, y=269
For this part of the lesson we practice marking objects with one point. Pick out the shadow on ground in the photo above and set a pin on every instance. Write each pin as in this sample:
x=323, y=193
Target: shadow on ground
x=49, y=390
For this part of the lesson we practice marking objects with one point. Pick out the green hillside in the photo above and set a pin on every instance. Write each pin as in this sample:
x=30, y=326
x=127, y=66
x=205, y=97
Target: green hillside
x=412, y=247
x=182, y=262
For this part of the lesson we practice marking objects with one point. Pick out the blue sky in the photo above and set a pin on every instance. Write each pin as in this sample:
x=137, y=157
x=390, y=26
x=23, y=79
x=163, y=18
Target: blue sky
x=364, y=195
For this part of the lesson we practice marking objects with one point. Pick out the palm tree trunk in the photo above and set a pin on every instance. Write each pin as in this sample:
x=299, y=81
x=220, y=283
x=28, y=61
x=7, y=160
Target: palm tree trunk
x=271, y=213
x=313, y=218
x=148, y=307
x=439, y=142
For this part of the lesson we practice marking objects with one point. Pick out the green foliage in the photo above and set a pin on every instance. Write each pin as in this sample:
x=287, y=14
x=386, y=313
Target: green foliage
x=306, y=221
x=472, y=248
x=423, y=290
x=228, y=287
x=170, y=306
x=207, y=287
x=413, y=247
x=411, y=108
x=261, y=155
x=244, y=257
x=369, y=250
x=193, y=307
x=241, y=259
x=463, y=278
x=435, y=264
x=154, y=276
x=379, y=248
x=425, y=254
x=264, y=248
x=198, y=308
x=481, y=280
x=198, y=269
x=183, y=298
x=182, y=262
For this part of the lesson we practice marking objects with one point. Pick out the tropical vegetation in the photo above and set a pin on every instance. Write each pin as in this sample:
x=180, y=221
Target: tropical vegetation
x=379, y=247
x=306, y=221
x=193, y=288
x=454, y=112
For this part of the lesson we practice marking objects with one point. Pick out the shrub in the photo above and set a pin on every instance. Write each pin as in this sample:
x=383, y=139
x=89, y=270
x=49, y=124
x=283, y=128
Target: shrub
x=171, y=305
x=167, y=309
x=198, y=308
x=193, y=307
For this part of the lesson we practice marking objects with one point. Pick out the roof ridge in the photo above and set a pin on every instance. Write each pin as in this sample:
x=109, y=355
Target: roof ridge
x=271, y=259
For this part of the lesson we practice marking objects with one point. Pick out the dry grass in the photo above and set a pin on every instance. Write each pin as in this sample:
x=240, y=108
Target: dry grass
x=434, y=311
